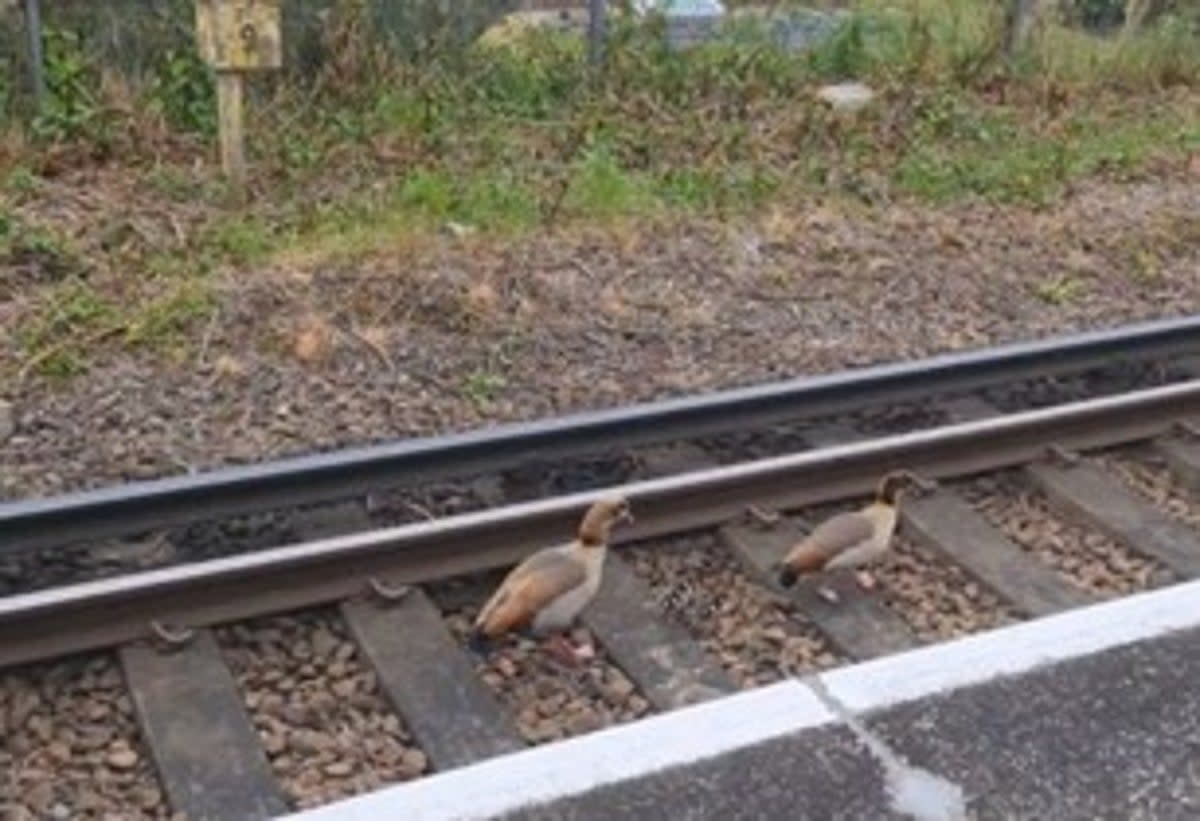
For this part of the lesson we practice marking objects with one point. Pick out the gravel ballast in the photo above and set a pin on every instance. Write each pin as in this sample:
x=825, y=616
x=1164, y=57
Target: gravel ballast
x=1147, y=474
x=69, y=745
x=480, y=331
x=326, y=728
x=548, y=699
x=937, y=600
x=755, y=635
x=1083, y=556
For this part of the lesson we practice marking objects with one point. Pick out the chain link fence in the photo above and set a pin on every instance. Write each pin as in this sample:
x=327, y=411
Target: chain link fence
x=135, y=37
x=139, y=39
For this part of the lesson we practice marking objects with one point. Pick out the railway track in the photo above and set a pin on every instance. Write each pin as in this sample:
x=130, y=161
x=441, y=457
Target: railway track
x=179, y=520
x=250, y=684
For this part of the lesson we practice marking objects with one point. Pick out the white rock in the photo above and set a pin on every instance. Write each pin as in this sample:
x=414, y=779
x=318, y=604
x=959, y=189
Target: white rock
x=681, y=8
x=846, y=96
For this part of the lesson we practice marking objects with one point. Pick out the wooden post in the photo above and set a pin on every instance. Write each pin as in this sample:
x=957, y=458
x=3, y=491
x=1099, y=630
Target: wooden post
x=237, y=37
x=230, y=119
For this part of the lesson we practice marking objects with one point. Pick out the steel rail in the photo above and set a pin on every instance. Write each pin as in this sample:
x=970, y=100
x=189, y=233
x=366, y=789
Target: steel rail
x=140, y=506
x=98, y=614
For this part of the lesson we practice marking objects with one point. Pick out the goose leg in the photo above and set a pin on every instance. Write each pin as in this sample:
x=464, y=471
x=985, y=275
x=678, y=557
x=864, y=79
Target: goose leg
x=561, y=649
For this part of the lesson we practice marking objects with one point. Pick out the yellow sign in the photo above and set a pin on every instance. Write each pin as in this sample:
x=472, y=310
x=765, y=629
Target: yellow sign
x=239, y=35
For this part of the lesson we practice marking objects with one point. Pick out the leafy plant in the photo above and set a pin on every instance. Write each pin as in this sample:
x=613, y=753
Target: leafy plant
x=71, y=109
x=183, y=87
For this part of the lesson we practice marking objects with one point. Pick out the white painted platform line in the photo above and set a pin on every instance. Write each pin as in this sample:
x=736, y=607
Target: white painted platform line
x=577, y=765
x=713, y=728
x=1016, y=649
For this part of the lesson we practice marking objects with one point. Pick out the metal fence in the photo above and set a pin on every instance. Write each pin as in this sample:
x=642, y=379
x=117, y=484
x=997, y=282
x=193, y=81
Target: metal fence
x=134, y=36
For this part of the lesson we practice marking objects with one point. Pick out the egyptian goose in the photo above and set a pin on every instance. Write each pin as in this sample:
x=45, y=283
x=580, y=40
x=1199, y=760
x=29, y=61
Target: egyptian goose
x=544, y=593
x=851, y=539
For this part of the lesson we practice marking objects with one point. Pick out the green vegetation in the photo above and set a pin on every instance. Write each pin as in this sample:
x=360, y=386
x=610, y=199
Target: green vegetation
x=371, y=149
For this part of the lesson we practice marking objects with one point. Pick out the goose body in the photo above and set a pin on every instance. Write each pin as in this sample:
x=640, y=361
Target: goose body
x=847, y=540
x=546, y=592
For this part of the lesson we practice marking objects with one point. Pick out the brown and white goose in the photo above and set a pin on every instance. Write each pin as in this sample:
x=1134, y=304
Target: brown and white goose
x=851, y=539
x=547, y=591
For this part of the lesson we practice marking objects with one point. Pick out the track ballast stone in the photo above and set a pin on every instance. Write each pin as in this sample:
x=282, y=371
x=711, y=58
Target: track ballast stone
x=326, y=727
x=548, y=699
x=757, y=636
x=70, y=746
x=1084, y=556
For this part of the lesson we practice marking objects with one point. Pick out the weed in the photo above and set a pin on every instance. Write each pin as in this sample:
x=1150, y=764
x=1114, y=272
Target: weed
x=482, y=387
x=183, y=88
x=601, y=187
x=387, y=140
x=1060, y=290
x=20, y=180
x=45, y=256
x=71, y=109
x=166, y=319
x=241, y=240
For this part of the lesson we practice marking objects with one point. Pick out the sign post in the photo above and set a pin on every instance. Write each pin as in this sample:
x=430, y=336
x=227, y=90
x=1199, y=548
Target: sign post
x=237, y=37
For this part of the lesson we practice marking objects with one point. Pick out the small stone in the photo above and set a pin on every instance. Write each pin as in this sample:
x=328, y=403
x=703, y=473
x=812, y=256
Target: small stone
x=88, y=800
x=529, y=716
x=344, y=688
x=775, y=633
x=338, y=769
x=39, y=796
x=581, y=723
x=618, y=690
x=59, y=752
x=18, y=812
x=23, y=705
x=60, y=812
x=274, y=743
x=95, y=737
x=414, y=762
x=41, y=727
x=293, y=714
x=543, y=730
x=148, y=798
x=321, y=702
x=122, y=758
x=366, y=702
x=313, y=341
x=302, y=742
x=324, y=643
x=96, y=711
